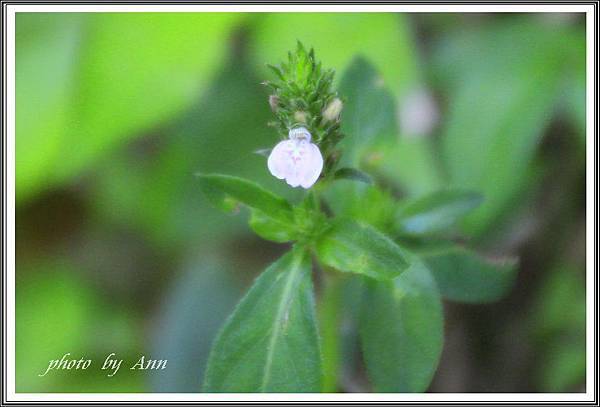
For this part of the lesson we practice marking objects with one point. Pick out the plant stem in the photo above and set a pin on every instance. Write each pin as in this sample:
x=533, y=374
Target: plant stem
x=329, y=318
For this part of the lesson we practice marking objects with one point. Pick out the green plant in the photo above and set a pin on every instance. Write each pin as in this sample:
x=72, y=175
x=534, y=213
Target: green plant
x=351, y=226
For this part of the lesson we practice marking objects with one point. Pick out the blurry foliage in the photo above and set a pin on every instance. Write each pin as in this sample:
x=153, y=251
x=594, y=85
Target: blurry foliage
x=162, y=168
x=383, y=38
x=558, y=328
x=501, y=98
x=58, y=313
x=110, y=77
x=193, y=310
x=121, y=110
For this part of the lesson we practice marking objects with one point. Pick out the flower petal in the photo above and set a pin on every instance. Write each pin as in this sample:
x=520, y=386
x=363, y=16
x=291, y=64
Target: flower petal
x=278, y=160
x=293, y=177
x=313, y=167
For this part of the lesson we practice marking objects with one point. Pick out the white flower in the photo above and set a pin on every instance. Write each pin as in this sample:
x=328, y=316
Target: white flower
x=296, y=160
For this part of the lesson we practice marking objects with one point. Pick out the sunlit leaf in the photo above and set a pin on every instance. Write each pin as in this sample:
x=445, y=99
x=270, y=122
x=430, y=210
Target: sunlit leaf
x=107, y=77
x=42, y=96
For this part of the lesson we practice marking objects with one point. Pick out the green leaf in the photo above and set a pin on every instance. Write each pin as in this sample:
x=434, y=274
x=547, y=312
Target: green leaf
x=42, y=96
x=271, y=229
x=225, y=191
x=353, y=174
x=436, y=212
x=358, y=248
x=270, y=342
x=401, y=330
x=463, y=275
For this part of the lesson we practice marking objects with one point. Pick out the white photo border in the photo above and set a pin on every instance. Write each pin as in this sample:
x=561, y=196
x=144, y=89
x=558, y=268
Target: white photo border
x=9, y=396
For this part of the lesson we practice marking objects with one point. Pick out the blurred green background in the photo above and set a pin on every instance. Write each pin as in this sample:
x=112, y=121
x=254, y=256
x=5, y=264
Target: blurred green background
x=118, y=251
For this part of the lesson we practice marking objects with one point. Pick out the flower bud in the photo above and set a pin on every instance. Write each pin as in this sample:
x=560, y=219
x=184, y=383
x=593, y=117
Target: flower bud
x=273, y=102
x=333, y=110
x=300, y=116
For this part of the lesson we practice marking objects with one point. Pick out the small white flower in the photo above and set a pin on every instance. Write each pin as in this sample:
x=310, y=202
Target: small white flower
x=296, y=160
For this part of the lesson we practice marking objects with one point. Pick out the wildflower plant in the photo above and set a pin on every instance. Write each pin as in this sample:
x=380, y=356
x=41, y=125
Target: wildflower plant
x=358, y=249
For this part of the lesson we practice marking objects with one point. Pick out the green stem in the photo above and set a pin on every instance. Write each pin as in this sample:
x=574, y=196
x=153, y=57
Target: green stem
x=312, y=200
x=329, y=318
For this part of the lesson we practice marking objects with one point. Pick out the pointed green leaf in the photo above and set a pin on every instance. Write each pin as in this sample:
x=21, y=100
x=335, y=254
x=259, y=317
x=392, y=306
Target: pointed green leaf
x=225, y=191
x=436, y=212
x=353, y=247
x=270, y=343
x=401, y=330
x=465, y=276
x=271, y=229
